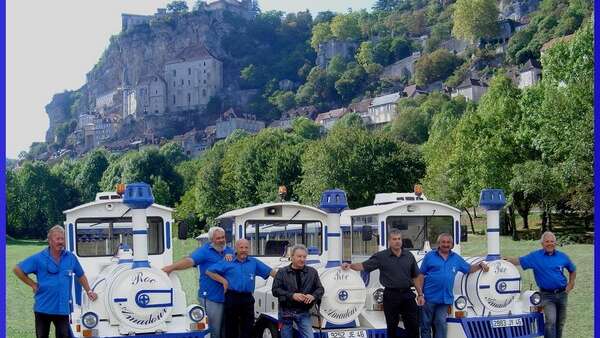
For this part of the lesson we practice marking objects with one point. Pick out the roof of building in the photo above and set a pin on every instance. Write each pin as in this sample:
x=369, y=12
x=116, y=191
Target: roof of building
x=412, y=90
x=360, y=106
x=531, y=64
x=196, y=52
x=332, y=114
x=470, y=82
x=386, y=99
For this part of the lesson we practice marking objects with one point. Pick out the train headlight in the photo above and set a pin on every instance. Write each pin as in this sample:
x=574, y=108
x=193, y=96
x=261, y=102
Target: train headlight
x=196, y=314
x=460, y=303
x=535, y=298
x=89, y=320
x=378, y=296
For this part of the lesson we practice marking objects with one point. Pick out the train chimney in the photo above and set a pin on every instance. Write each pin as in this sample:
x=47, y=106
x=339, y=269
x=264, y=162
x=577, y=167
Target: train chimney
x=138, y=197
x=333, y=202
x=492, y=200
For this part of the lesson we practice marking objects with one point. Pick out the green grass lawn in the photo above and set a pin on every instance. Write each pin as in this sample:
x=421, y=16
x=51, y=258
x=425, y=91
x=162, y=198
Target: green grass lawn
x=19, y=300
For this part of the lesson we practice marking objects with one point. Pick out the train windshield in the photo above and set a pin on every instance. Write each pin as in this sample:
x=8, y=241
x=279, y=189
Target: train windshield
x=101, y=236
x=272, y=238
x=416, y=229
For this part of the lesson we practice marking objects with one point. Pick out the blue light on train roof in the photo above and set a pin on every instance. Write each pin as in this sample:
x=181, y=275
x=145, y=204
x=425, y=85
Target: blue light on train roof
x=138, y=195
x=492, y=199
x=333, y=201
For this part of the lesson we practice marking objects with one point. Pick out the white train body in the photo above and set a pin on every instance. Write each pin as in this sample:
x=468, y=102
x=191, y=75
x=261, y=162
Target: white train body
x=351, y=307
x=134, y=295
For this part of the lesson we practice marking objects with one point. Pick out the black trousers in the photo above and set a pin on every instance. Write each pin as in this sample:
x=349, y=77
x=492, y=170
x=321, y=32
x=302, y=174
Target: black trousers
x=42, y=325
x=398, y=303
x=238, y=314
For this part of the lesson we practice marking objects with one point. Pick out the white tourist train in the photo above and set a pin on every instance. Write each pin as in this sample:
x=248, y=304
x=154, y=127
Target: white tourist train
x=135, y=297
x=487, y=304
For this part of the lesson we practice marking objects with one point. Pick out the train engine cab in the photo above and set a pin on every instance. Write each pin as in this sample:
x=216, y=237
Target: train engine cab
x=486, y=304
x=122, y=241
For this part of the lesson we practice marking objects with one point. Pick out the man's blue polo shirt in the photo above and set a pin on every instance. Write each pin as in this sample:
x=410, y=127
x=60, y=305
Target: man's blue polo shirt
x=204, y=257
x=54, y=280
x=548, y=268
x=439, y=276
x=240, y=274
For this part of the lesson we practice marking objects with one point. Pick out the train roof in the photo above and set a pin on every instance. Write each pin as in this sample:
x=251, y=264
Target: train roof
x=244, y=211
x=384, y=208
x=95, y=203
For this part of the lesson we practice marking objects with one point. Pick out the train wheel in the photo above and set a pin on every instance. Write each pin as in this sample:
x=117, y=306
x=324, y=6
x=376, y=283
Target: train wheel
x=266, y=329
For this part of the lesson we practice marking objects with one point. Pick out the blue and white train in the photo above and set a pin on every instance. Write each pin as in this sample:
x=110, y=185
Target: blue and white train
x=122, y=241
x=487, y=304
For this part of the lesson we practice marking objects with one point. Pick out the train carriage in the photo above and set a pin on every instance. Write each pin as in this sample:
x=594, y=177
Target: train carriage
x=122, y=241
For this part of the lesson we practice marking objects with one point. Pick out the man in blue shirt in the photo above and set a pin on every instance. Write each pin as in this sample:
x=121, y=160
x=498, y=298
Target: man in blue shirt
x=210, y=293
x=548, y=266
x=439, y=268
x=53, y=268
x=237, y=278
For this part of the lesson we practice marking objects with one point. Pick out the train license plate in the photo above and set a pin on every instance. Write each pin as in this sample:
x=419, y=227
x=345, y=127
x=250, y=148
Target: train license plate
x=348, y=334
x=507, y=322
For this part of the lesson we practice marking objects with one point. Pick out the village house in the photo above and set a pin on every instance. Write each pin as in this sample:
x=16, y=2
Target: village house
x=328, y=119
x=471, y=89
x=382, y=109
x=230, y=121
x=530, y=74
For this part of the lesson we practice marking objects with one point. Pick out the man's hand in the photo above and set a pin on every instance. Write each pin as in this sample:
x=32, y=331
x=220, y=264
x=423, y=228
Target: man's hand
x=229, y=257
x=569, y=287
x=299, y=297
x=308, y=299
x=484, y=266
x=168, y=269
x=420, y=300
x=345, y=266
x=225, y=286
x=34, y=287
x=92, y=295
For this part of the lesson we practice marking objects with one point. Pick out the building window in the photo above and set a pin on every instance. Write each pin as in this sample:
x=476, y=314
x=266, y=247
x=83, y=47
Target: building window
x=208, y=75
x=204, y=63
x=189, y=71
x=182, y=82
x=204, y=81
x=174, y=83
x=189, y=82
x=189, y=98
x=204, y=92
x=173, y=99
x=174, y=72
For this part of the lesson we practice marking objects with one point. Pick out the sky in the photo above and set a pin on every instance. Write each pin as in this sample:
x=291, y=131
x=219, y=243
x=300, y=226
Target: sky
x=51, y=45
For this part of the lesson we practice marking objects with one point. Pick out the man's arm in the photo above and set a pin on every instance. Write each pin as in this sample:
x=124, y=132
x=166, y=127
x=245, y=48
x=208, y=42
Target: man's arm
x=514, y=260
x=25, y=279
x=86, y=286
x=418, y=281
x=218, y=278
x=353, y=266
x=571, y=283
x=182, y=264
x=273, y=273
x=479, y=266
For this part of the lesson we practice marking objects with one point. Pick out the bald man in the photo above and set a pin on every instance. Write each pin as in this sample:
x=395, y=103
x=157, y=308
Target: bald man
x=237, y=278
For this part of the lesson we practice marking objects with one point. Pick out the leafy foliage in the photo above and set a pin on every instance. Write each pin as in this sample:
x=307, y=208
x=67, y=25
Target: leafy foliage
x=475, y=19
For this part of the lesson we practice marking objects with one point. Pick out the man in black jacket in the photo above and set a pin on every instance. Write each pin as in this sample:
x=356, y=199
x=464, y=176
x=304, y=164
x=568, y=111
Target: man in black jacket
x=298, y=288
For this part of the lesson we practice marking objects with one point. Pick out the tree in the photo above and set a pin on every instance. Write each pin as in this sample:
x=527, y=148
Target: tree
x=306, y=128
x=358, y=162
x=410, y=126
x=475, y=19
x=321, y=32
x=345, y=27
x=435, y=66
x=88, y=178
x=283, y=100
x=177, y=7
x=350, y=82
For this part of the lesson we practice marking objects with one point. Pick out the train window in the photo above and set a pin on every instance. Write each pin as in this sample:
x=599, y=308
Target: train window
x=274, y=238
x=359, y=246
x=416, y=229
x=97, y=237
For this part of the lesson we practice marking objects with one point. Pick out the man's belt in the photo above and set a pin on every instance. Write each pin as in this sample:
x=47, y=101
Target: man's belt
x=398, y=290
x=555, y=291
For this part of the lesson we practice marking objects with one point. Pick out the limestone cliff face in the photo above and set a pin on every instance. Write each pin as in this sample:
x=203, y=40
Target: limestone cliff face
x=142, y=51
x=59, y=112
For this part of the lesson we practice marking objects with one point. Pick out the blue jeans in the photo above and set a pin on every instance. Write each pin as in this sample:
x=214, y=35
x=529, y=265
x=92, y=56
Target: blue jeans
x=436, y=314
x=303, y=324
x=214, y=312
x=555, y=313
